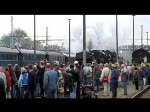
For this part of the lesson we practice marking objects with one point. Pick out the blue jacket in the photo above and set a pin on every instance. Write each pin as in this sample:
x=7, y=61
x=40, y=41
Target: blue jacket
x=141, y=74
x=50, y=80
x=147, y=71
x=19, y=81
x=113, y=76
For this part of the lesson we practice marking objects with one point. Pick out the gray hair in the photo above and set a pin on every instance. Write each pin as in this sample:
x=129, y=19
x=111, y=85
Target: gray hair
x=106, y=65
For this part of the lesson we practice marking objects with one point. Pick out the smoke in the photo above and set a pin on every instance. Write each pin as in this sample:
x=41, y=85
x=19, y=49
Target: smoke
x=102, y=34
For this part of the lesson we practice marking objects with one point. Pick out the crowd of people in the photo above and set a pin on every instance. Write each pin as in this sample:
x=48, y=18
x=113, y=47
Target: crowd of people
x=48, y=80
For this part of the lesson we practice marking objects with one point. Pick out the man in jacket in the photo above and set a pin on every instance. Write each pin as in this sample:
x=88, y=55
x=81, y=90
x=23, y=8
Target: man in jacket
x=31, y=81
x=50, y=81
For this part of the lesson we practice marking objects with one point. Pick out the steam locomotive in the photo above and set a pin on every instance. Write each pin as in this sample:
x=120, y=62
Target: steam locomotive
x=139, y=55
x=100, y=56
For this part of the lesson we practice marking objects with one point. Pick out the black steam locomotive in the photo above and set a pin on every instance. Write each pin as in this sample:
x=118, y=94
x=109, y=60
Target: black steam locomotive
x=100, y=56
x=139, y=55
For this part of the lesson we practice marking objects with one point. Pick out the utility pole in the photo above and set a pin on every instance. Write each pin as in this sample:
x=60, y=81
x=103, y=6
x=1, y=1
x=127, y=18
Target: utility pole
x=84, y=39
x=147, y=38
x=34, y=39
x=69, y=40
x=46, y=38
x=142, y=36
x=133, y=32
x=117, y=37
x=11, y=40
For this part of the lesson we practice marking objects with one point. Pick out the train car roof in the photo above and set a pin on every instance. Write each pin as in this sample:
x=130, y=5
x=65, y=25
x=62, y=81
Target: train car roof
x=55, y=53
x=31, y=51
x=10, y=50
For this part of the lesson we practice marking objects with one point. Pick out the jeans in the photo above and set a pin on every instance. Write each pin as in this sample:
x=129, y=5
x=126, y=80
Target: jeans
x=114, y=89
x=37, y=91
x=17, y=92
x=51, y=93
x=89, y=80
x=8, y=94
x=136, y=84
x=13, y=91
x=96, y=83
x=23, y=92
x=73, y=93
x=141, y=82
x=106, y=88
x=148, y=80
x=119, y=84
x=31, y=94
x=85, y=80
x=125, y=84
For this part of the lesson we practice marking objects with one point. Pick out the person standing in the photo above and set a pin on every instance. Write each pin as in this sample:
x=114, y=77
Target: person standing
x=106, y=72
x=124, y=79
x=96, y=75
x=41, y=70
x=136, y=78
x=7, y=74
x=31, y=81
x=114, y=80
x=3, y=84
x=50, y=82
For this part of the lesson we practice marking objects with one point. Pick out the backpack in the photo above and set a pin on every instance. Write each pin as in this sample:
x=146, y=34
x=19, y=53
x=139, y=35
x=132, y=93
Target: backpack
x=89, y=72
x=69, y=83
x=124, y=77
x=24, y=80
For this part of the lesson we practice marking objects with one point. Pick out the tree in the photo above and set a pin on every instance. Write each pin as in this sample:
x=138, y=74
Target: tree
x=18, y=37
x=5, y=41
x=21, y=38
x=90, y=45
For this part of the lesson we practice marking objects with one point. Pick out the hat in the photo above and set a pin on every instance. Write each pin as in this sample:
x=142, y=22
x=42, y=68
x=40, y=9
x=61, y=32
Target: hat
x=93, y=62
x=76, y=62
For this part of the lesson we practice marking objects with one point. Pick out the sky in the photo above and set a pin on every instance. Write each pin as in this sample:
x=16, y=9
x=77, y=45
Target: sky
x=100, y=29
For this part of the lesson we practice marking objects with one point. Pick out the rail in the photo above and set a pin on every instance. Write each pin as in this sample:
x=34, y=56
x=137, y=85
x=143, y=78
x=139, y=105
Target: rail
x=138, y=95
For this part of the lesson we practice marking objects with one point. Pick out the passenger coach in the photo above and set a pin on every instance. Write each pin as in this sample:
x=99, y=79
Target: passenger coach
x=23, y=57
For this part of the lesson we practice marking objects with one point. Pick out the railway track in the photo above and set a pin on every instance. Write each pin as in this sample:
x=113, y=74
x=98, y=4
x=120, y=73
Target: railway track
x=139, y=95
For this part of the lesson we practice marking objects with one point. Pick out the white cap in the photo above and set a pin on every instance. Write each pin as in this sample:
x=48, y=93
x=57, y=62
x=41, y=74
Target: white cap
x=76, y=62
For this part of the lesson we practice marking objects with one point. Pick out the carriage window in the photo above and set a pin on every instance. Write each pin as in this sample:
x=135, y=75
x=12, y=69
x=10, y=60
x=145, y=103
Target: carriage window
x=1, y=56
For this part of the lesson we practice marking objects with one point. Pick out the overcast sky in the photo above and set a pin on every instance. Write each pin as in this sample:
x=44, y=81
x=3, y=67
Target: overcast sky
x=100, y=29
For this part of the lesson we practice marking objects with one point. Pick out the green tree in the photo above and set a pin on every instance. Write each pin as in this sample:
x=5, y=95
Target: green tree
x=5, y=41
x=20, y=38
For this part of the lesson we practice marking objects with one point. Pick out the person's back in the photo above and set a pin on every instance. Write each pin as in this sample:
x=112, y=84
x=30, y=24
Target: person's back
x=32, y=81
x=113, y=78
x=52, y=79
x=50, y=82
x=124, y=76
x=74, y=75
x=40, y=74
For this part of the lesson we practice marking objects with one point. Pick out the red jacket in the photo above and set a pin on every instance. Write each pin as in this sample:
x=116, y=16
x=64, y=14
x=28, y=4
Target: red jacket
x=7, y=74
